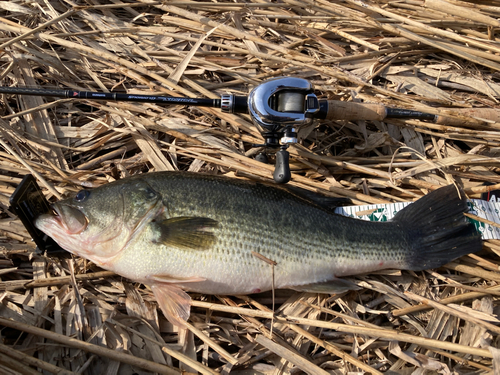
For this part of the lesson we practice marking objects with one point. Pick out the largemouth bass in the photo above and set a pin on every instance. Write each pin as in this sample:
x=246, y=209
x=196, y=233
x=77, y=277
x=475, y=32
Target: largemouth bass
x=177, y=232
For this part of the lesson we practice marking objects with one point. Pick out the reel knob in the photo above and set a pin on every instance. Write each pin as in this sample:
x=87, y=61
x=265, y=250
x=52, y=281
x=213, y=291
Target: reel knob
x=282, y=172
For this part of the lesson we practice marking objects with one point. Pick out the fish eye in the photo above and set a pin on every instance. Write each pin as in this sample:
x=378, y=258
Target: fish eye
x=82, y=195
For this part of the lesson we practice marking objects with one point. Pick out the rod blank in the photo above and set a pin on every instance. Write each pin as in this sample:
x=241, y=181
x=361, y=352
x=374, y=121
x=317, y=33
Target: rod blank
x=112, y=96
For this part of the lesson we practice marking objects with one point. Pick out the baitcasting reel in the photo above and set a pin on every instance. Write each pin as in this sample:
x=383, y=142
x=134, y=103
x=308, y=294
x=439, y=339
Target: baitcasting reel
x=278, y=107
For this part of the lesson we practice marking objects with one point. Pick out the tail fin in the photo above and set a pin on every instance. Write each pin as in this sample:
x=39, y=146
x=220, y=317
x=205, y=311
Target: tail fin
x=437, y=230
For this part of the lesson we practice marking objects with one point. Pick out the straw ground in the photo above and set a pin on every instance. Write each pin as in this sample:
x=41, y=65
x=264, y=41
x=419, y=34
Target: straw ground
x=65, y=316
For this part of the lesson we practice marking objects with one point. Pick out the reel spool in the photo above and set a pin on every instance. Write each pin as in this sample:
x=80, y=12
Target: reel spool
x=290, y=101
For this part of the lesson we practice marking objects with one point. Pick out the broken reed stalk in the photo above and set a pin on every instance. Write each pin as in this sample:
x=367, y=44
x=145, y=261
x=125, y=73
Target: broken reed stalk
x=392, y=335
x=14, y=365
x=454, y=312
x=335, y=350
x=23, y=358
x=273, y=264
x=455, y=299
x=175, y=354
x=324, y=344
x=216, y=347
x=375, y=332
x=482, y=220
x=302, y=363
x=232, y=309
x=91, y=348
x=52, y=281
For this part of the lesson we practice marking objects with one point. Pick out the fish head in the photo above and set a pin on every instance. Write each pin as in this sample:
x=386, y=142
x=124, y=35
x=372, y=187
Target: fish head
x=97, y=224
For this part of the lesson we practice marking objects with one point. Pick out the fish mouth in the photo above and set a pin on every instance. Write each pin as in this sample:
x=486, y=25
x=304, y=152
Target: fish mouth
x=70, y=218
x=55, y=214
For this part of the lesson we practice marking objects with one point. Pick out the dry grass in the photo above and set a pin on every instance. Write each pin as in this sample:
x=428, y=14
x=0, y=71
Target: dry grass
x=410, y=53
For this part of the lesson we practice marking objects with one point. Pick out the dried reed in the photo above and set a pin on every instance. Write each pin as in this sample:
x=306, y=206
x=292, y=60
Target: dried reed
x=435, y=56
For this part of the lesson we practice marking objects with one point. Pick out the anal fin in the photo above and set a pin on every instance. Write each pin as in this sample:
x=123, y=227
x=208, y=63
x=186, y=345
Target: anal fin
x=335, y=286
x=175, y=280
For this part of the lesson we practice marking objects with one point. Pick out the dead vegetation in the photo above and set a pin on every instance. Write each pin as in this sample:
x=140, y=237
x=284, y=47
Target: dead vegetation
x=65, y=316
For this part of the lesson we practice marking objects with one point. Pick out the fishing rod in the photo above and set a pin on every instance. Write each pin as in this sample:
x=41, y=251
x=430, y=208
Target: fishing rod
x=277, y=107
x=237, y=105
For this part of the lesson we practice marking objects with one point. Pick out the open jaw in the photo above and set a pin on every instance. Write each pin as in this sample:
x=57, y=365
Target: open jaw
x=65, y=225
x=72, y=219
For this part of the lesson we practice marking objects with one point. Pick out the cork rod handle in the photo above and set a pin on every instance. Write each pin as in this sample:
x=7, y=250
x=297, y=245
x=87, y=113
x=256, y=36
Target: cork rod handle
x=338, y=110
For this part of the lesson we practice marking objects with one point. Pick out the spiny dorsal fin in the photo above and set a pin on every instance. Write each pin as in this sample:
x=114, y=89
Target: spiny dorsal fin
x=192, y=233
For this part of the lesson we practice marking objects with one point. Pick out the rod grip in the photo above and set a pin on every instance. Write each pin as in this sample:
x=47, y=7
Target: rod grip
x=489, y=114
x=338, y=110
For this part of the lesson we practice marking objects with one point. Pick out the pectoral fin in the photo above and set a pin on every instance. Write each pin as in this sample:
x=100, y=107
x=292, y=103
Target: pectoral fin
x=335, y=286
x=173, y=301
x=192, y=233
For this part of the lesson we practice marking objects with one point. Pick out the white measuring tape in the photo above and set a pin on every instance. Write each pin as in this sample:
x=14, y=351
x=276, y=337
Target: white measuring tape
x=489, y=210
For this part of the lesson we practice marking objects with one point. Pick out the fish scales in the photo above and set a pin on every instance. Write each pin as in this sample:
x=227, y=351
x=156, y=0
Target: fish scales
x=302, y=239
x=179, y=231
